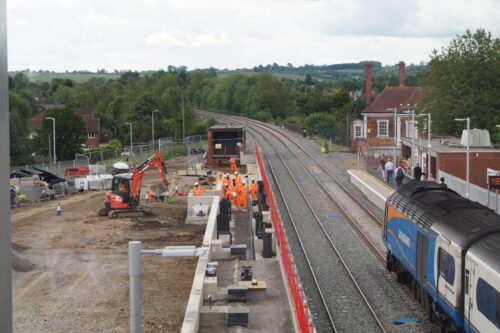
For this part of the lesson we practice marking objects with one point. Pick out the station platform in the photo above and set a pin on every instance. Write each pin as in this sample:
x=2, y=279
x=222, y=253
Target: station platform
x=374, y=189
x=222, y=302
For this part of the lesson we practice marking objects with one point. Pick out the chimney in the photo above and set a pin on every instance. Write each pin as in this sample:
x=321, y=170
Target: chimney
x=401, y=74
x=368, y=82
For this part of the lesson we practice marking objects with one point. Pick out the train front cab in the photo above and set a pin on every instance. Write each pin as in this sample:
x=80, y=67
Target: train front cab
x=482, y=287
x=428, y=263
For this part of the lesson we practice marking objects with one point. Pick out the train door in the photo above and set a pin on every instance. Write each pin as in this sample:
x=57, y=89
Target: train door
x=446, y=271
x=468, y=291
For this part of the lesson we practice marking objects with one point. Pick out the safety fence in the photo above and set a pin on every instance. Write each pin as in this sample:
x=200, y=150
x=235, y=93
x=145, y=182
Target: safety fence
x=294, y=288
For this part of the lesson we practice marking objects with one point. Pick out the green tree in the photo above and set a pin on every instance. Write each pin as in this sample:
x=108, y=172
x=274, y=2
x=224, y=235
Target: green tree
x=70, y=133
x=20, y=147
x=463, y=80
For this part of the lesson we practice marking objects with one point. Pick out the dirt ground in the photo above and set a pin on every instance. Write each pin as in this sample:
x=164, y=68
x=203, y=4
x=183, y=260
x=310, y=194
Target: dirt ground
x=71, y=271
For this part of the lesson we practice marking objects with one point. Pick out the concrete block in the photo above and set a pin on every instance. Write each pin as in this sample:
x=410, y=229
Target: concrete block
x=237, y=293
x=256, y=293
x=218, y=252
x=237, y=316
x=266, y=217
x=247, y=159
x=213, y=316
x=239, y=250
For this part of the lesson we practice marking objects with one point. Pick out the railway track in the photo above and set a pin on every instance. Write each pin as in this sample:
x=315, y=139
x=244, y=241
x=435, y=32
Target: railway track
x=365, y=222
x=381, y=303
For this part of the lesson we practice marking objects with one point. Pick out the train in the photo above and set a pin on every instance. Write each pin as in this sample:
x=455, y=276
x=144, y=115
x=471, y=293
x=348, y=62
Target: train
x=446, y=248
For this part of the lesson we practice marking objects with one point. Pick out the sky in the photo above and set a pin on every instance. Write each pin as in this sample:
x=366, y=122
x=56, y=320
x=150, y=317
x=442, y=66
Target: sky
x=70, y=35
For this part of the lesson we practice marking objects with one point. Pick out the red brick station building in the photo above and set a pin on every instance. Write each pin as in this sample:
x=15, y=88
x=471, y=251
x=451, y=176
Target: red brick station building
x=386, y=127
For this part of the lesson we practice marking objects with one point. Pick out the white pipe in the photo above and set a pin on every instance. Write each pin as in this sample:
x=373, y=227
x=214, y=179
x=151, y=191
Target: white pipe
x=135, y=272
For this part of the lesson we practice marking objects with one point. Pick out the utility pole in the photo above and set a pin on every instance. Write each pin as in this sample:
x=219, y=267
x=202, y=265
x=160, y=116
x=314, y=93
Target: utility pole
x=183, y=116
x=131, y=146
x=5, y=242
x=54, y=137
x=467, y=170
x=153, y=128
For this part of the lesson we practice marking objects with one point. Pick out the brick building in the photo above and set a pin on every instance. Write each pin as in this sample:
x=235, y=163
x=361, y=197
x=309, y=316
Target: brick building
x=95, y=136
x=387, y=116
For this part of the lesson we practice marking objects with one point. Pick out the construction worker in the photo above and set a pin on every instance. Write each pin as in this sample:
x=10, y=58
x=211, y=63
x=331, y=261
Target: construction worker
x=234, y=166
x=151, y=196
x=243, y=194
x=225, y=191
x=235, y=194
x=226, y=180
x=197, y=190
x=253, y=189
x=219, y=178
x=237, y=177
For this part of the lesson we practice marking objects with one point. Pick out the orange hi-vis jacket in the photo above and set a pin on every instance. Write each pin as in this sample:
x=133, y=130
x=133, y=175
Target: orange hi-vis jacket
x=197, y=191
x=226, y=181
x=243, y=194
x=253, y=190
x=237, y=178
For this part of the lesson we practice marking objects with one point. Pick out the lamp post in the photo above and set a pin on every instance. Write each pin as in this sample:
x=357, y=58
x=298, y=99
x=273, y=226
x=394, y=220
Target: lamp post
x=131, y=146
x=54, y=136
x=153, y=128
x=467, y=172
x=114, y=131
x=395, y=134
x=429, y=145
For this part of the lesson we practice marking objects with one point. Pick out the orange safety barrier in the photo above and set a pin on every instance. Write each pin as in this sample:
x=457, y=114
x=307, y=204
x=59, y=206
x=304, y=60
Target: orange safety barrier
x=300, y=307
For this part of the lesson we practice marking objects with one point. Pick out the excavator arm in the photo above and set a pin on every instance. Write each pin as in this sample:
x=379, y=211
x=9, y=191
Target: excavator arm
x=155, y=160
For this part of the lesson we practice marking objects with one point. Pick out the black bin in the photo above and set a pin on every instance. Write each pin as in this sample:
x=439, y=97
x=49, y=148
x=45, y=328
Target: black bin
x=267, y=246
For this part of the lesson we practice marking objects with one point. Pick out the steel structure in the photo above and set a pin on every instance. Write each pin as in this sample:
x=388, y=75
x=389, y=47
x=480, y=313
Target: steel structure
x=5, y=250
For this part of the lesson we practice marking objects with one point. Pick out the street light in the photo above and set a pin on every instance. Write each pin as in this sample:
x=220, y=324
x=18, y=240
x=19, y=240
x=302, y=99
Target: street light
x=54, y=135
x=395, y=134
x=131, y=146
x=429, y=145
x=467, y=120
x=153, y=128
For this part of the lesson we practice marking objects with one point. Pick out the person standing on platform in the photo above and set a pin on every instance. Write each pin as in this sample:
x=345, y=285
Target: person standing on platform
x=417, y=172
x=382, y=168
x=237, y=177
x=389, y=170
x=226, y=180
x=234, y=166
x=253, y=189
x=442, y=183
x=243, y=195
x=197, y=190
x=400, y=176
x=235, y=194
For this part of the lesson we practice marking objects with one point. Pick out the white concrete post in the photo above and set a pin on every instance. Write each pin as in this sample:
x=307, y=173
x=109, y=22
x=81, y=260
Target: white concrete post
x=135, y=272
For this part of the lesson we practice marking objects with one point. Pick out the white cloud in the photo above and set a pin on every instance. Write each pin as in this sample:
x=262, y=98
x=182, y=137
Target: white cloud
x=164, y=39
x=148, y=34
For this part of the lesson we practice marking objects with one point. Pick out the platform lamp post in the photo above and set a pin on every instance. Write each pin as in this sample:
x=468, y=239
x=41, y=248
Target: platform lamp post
x=467, y=172
x=429, y=145
x=131, y=146
x=153, y=128
x=395, y=134
x=54, y=136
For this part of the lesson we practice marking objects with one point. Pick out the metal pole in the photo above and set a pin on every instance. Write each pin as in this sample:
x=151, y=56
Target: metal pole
x=429, y=145
x=135, y=272
x=183, y=117
x=54, y=137
x=412, y=139
x=468, y=157
x=5, y=250
x=358, y=155
x=496, y=209
x=395, y=137
x=131, y=145
x=153, y=127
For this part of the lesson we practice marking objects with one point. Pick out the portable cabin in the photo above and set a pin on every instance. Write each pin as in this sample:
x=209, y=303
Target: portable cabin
x=225, y=141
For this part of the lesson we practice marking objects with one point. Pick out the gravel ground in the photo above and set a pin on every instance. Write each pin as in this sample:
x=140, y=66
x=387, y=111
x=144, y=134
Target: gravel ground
x=386, y=295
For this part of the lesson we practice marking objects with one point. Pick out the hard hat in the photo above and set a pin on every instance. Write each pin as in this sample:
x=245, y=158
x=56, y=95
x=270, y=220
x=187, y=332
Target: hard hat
x=253, y=179
x=226, y=175
x=196, y=184
x=236, y=172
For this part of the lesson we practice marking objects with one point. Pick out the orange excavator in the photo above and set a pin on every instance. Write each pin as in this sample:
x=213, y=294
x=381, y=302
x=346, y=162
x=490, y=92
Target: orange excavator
x=124, y=198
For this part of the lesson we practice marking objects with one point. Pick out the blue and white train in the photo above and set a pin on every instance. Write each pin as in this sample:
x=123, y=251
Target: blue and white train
x=447, y=248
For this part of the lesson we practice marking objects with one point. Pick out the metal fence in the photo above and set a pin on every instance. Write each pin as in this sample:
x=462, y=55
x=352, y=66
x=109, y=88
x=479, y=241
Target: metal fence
x=476, y=193
x=168, y=147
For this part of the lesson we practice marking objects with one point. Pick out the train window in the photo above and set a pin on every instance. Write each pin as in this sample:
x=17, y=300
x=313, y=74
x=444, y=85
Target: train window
x=446, y=266
x=488, y=301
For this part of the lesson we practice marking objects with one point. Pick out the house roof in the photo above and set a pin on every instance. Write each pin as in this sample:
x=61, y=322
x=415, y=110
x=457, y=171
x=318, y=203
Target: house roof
x=92, y=124
x=35, y=122
x=393, y=97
